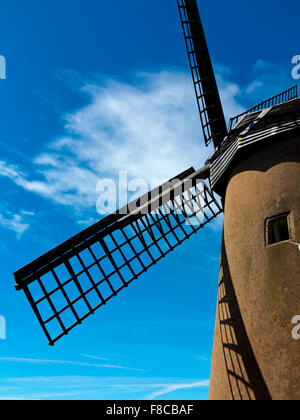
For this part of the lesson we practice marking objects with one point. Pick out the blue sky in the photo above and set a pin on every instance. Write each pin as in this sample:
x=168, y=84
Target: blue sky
x=94, y=87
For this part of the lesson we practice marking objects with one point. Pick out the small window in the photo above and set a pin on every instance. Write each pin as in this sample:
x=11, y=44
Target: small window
x=278, y=229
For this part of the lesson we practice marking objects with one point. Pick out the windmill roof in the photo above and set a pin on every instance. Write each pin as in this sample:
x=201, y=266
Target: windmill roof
x=253, y=131
x=278, y=114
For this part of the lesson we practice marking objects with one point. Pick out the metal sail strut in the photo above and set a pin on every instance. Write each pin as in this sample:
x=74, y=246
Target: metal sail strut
x=207, y=93
x=71, y=282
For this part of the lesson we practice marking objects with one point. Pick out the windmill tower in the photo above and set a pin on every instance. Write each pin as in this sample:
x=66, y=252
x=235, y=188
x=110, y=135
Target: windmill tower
x=253, y=176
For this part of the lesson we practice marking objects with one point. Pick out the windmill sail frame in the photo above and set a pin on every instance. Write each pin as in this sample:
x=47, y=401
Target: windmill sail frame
x=206, y=89
x=71, y=282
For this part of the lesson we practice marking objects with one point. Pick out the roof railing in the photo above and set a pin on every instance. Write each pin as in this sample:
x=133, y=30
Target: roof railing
x=285, y=96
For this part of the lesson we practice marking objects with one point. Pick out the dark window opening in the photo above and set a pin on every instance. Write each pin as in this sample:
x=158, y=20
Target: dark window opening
x=278, y=229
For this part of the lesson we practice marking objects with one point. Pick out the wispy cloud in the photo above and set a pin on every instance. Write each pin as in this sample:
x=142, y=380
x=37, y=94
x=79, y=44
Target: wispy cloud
x=14, y=222
x=93, y=387
x=65, y=362
x=149, y=127
x=168, y=389
x=89, y=356
x=268, y=80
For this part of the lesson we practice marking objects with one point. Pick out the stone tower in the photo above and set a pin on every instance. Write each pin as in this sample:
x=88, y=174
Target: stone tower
x=258, y=176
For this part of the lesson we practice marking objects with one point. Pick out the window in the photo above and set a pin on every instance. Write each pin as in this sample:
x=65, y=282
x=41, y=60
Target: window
x=278, y=229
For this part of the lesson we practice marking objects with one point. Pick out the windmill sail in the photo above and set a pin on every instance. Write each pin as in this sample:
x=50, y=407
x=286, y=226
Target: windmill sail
x=208, y=98
x=71, y=282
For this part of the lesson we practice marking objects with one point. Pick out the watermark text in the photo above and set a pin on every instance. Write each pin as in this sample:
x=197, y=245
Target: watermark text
x=2, y=328
x=296, y=68
x=183, y=197
x=2, y=67
x=296, y=329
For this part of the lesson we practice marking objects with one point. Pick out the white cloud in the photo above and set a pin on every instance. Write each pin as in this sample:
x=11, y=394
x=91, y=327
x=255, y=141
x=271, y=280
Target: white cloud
x=269, y=79
x=14, y=222
x=64, y=362
x=89, y=356
x=230, y=93
x=93, y=387
x=150, y=128
x=13, y=173
x=27, y=213
x=168, y=389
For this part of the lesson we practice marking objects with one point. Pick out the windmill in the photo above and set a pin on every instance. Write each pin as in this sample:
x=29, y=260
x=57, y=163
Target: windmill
x=253, y=177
